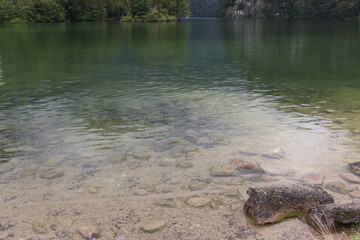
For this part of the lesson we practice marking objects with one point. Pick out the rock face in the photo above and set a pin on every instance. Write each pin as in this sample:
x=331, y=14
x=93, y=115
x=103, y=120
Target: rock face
x=329, y=216
x=355, y=168
x=273, y=203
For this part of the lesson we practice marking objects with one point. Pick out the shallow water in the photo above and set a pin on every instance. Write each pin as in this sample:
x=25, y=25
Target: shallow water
x=107, y=105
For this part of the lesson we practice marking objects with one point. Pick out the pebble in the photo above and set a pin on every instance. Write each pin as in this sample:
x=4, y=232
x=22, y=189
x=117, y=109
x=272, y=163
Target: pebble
x=140, y=192
x=199, y=201
x=85, y=230
x=141, y=156
x=315, y=179
x=51, y=174
x=154, y=227
x=222, y=171
x=166, y=203
x=355, y=167
x=182, y=164
x=38, y=227
x=66, y=222
x=277, y=153
x=329, y=111
x=338, y=187
x=355, y=194
x=167, y=162
x=350, y=177
x=93, y=190
x=197, y=186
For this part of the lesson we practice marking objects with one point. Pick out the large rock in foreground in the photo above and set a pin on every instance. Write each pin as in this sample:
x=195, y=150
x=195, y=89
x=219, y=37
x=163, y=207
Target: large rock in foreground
x=330, y=216
x=273, y=203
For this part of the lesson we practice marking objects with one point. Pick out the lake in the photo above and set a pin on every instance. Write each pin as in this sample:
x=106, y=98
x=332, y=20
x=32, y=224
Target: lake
x=115, y=125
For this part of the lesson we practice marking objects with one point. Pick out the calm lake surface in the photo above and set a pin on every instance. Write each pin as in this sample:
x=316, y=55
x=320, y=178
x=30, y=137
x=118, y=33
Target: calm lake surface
x=116, y=125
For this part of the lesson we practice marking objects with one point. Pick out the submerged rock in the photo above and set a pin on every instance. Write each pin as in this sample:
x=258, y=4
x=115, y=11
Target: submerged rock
x=85, y=230
x=167, y=162
x=350, y=177
x=6, y=168
x=277, y=153
x=273, y=203
x=339, y=187
x=355, y=194
x=182, y=164
x=222, y=171
x=355, y=167
x=276, y=169
x=329, y=216
x=51, y=174
x=315, y=179
x=38, y=227
x=153, y=227
x=199, y=201
x=166, y=203
x=197, y=186
x=141, y=156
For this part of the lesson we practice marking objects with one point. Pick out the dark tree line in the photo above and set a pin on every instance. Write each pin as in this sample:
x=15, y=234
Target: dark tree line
x=203, y=8
x=307, y=9
x=14, y=11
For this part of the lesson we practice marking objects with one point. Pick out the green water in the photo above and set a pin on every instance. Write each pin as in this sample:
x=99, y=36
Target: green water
x=107, y=102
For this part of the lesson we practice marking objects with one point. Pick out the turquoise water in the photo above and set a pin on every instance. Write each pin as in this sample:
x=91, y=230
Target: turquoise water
x=103, y=104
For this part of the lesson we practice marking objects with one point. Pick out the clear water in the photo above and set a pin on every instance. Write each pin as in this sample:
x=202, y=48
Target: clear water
x=106, y=103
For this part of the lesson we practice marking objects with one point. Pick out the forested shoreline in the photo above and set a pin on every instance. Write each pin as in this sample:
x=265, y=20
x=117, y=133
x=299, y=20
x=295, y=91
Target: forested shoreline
x=300, y=9
x=22, y=11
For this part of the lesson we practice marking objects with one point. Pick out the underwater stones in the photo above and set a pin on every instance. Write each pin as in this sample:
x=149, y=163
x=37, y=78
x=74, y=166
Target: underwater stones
x=53, y=160
x=140, y=192
x=87, y=154
x=329, y=111
x=197, y=186
x=38, y=227
x=263, y=178
x=189, y=149
x=350, y=177
x=64, y=221
x=355, y=167
x=199, y=202
x=222, y=171
x=118, y=159
x=93, y=190
x=166, y=203
x=141, y=156
x=183, y=164
x=154, y=227
x=85, y=230
x=276, y=153
x=276, y=169
x=354, y=194
x=339, y=187
x=167, y=162
x=273, y=203
x=247, y=152
x=315, y=179
x=328, y=216
x=6, y=168
x=51, y=174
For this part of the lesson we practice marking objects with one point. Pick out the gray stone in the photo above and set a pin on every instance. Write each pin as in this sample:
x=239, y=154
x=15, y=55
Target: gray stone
x=51, y=174
x=355, y=167
x=339, y=187
x=273, y=203
x=329, y=216
x=184, y=164
x=141, y=156
x=350, y=177
x=154, y=227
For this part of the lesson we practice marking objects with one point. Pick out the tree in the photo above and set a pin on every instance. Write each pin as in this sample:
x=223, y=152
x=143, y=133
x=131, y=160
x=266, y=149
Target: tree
x=139, y=7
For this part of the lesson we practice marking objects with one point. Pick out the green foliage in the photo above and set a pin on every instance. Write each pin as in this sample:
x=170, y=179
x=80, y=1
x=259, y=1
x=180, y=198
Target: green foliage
x=139, y=7
x=223, y=7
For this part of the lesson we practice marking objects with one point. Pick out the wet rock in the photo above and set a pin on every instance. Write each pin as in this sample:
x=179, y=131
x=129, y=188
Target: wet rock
x=51, y=174
x=182, y=164
x=154, y=227
x=329, y=216
x=276, y=169
x=38, y=227
x=277, y=153
x=329, y=111
x=85, y=230
x=141, y=156
x=166, y=203
x=188, y=149
x=197, y=186
x=355, y=194
x=222, y=171
x=273, y=203
x=339, y=187
x=167, y=162
x=315, y=179
x=199, y=202
x=350, y=177
x=354, y=167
